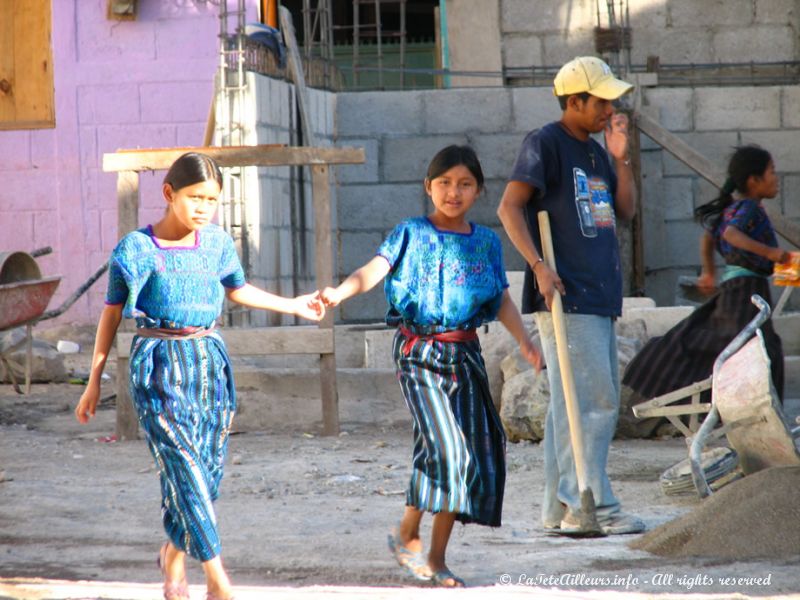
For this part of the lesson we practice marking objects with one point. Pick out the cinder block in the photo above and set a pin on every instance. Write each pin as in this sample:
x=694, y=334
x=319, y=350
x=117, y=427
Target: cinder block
x=521, y=50
x=658, y=320
x=484, y=211
x=497, y=153
x=366, y=172
x=678, y=198
x=782, y=12
x=469, y=109
x=673, y=45
x=715, y=146
x=374, y=113
x=407, y=158
x=533, y=108
x=791, y=205
x=674, y=107
x=757, y=43
x=558, y=50
x=782, y=145
x=378, y=348
x=689, y=14
x=357, y=248
x=521, y=16
x=737, y=108
x=379, y=207
x=790, y=107
x=365, y=308
x=684, y=243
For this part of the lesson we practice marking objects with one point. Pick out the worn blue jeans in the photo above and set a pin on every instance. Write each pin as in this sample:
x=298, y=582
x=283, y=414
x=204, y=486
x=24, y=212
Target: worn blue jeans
x=593, y=354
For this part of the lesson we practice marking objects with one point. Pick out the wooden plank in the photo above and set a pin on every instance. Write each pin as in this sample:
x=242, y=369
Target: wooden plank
x=8, y=112
x=296, y=70
x=33, y=91
x=680, y=150
x=260, y=341
x=320, y=186
x=267, y=155
x=709, y=171
x=127, y=202
x=127, y=426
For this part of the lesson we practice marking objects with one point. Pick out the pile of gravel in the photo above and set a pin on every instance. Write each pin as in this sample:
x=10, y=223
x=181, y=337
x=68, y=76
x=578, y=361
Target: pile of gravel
x=755, y=517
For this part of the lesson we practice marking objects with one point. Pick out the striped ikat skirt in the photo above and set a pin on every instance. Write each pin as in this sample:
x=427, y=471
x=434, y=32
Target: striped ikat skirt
x=686, y=353
x=459, y=443
x=183, y=392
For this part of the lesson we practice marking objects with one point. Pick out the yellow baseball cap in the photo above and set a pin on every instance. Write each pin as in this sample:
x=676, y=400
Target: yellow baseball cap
x=589, y=74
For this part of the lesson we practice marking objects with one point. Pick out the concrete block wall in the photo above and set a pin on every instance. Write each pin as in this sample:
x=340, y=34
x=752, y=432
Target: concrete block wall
x=281, y=221
x=678, y=31
x=401, y=131
x=712, y=120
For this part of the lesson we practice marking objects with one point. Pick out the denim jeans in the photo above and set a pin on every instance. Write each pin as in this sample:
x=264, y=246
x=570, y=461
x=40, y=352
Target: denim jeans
x=593, y=354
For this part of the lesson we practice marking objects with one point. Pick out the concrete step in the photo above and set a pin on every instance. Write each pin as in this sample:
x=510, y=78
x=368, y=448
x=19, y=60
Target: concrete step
x=269, y=397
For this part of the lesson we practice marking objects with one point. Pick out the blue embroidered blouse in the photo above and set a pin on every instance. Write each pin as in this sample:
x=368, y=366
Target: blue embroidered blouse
x=749, y=217
x=173, y=286
x=442, y=280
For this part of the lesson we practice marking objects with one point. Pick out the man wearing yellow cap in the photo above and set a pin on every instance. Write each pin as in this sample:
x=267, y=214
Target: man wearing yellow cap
x=584, y=188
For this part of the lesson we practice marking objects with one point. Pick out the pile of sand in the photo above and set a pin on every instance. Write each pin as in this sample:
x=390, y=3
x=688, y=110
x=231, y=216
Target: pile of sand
x=755, y=517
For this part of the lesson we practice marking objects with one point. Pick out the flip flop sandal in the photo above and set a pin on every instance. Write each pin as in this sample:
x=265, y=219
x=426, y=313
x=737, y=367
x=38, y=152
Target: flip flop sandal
x=173, y=590
x=443, y=576
x=411, y=561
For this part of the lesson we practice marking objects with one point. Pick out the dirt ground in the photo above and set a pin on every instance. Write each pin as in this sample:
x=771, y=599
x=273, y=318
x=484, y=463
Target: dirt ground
x=299, y=511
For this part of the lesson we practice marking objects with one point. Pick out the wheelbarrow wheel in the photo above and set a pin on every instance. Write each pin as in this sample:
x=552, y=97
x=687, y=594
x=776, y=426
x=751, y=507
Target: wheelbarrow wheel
x=718, y=464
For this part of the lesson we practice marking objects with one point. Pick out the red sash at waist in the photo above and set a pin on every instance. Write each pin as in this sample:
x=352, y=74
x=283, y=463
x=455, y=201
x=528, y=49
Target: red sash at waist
x=453, y=336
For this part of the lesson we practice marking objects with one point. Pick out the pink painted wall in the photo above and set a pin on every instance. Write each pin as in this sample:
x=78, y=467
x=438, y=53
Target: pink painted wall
x=145, y=83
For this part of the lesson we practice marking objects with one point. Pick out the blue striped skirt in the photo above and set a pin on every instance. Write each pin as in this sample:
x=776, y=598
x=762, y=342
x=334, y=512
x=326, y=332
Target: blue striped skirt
x=184, y=394
x=459, y=442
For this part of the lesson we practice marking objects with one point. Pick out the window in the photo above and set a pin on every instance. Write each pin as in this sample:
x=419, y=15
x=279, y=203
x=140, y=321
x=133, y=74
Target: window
x=26, y=65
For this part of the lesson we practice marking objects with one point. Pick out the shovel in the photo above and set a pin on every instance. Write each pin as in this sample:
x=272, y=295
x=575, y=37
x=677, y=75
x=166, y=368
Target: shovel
x=589, y=527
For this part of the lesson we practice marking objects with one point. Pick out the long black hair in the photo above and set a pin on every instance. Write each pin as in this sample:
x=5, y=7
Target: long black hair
x=191, y=168
x=745, y=162
x=453, y=156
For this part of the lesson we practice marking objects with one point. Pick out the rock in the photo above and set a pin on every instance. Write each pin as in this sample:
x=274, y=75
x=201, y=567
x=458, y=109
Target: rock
x=524, y=405
x=496, y=344
x=47, y=364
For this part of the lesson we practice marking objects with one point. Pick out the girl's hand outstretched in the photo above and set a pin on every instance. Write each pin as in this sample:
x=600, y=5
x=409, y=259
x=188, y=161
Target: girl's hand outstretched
x=309, y=307
x=330, y=296
x=532, y=354
x=87, y=405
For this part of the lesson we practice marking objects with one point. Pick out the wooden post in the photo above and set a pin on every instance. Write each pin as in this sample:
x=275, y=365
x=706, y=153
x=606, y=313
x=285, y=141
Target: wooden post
x=324, y=266
x=637, y=259
x=127, y=427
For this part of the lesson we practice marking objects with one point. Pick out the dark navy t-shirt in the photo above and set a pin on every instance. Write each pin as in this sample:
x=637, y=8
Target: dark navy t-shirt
x=575, y=183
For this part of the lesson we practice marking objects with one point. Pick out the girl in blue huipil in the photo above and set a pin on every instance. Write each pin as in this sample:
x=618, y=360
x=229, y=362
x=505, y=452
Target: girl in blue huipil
x=172, y=277
x=444, y=278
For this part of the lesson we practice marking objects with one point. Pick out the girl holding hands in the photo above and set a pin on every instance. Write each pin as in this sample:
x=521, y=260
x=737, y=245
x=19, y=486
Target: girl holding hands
x=172, y=277
x=444, y=278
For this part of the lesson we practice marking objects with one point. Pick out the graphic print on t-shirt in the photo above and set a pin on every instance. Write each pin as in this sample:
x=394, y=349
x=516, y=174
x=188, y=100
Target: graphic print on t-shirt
x=583, y=203
x=602, y=208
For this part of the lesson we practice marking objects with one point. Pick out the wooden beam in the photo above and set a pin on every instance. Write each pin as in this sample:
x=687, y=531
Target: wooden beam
x=709, y=171
x=260, y=341
x=268, y=155
x=127, y=202
x=321, y=192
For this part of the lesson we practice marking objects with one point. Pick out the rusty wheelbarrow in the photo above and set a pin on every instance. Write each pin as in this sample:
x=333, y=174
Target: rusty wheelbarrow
x=24, y=296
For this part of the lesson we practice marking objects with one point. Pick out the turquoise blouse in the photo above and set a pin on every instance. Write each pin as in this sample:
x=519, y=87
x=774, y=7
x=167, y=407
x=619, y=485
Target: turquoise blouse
x=442, y=280
x=173, y=287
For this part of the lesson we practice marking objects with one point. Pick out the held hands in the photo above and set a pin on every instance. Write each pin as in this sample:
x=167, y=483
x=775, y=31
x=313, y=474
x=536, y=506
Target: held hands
x=330, y=296
x=617, y=136
x=309, y=307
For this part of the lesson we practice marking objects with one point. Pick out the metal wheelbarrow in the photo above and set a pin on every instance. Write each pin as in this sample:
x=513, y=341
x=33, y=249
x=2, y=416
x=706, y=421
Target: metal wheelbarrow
x=743, y=397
